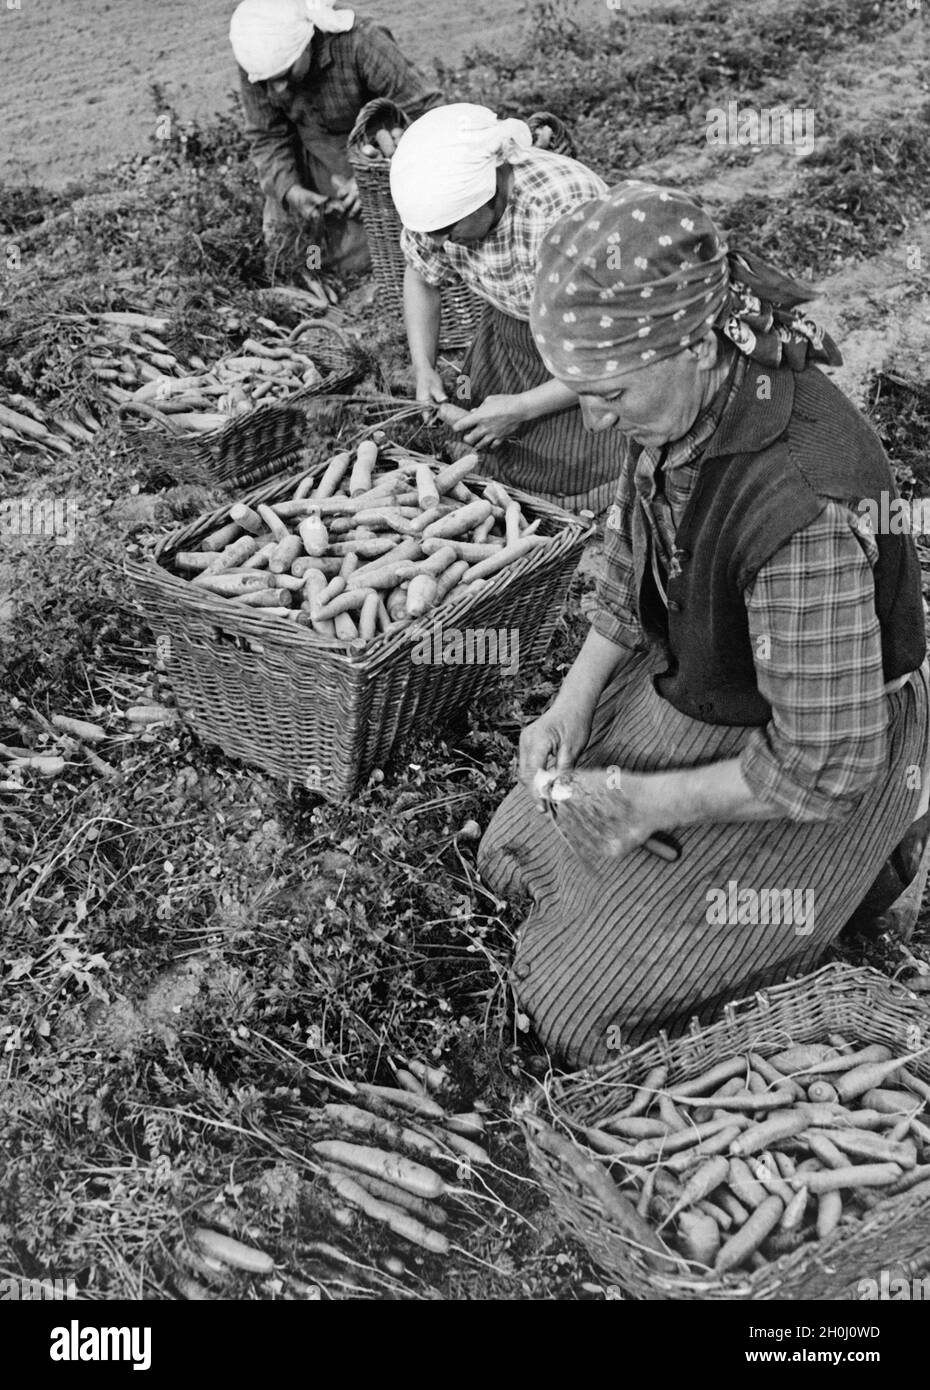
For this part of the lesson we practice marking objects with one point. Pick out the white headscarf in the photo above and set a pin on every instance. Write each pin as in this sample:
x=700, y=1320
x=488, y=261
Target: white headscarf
x=268, y=36
x=446, y=164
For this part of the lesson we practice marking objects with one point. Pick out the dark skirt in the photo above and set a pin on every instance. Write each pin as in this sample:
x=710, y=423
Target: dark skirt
x=553, y=457
x=607, y=957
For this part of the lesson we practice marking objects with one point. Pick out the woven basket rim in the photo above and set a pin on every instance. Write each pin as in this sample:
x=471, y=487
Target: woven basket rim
x=380, y=106
x=249, y=623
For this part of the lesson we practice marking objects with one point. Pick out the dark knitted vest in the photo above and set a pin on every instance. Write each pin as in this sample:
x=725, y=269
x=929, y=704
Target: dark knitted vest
x=747, y=502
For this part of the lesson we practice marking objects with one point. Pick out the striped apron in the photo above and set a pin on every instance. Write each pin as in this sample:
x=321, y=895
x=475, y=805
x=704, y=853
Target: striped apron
x=553, y=457
x=607, y=957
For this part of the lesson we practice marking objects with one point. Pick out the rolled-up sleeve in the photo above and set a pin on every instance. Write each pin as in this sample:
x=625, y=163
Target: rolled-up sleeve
x=816, y=645
x=429, y=263
x=271, y=140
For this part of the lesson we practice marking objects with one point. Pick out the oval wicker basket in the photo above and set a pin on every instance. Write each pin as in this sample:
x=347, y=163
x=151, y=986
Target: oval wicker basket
x=862, y=1004
x=304, y=707
x=461, y=307
x=266, y=440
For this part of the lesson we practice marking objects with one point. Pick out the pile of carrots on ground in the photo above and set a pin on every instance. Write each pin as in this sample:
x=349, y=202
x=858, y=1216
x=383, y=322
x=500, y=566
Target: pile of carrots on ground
x=757, y=1156
x=405, y=1161
x=353, y=555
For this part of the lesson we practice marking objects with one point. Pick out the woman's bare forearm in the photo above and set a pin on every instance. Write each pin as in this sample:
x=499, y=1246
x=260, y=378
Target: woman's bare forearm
x=422, y=304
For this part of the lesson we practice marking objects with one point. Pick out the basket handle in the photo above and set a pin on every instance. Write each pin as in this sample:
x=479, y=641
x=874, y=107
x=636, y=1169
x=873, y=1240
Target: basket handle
x=382, y=108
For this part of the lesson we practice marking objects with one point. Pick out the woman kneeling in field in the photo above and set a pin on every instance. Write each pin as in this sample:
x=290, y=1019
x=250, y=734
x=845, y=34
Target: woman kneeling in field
x=754, y=681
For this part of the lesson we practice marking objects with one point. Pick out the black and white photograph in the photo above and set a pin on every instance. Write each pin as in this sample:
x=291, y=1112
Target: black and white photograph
x=464, y=688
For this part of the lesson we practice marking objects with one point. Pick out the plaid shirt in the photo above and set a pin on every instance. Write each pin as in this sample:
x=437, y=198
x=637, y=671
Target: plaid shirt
x=502, y=267
x=812, y=625
x=346, y=71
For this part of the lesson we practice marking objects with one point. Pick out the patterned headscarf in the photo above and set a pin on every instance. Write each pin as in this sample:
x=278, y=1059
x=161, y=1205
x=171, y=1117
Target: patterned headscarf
x=638, y=275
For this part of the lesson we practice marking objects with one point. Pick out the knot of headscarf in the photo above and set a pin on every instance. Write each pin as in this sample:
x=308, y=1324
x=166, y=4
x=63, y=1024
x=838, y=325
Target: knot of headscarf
x=268, y=36
x=638, y=275
x=445, y=166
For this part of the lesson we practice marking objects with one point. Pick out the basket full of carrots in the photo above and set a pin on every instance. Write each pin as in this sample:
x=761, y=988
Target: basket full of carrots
x=781, y=1153
x=311, y=624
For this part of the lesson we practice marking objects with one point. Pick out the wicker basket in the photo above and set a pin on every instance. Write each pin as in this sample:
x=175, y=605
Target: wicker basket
x=304, y=707
x=863, y=1005
x=268, y=439
x=461, y=308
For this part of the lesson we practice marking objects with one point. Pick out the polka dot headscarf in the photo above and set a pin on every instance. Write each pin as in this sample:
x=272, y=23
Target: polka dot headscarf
x=642, y=273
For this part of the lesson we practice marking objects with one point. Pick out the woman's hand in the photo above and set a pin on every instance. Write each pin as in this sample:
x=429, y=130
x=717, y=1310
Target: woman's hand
x=556, y=738
x=607, y=811
x=492, y=422
x=304, y=203
x=430, y=390
x=347, y=200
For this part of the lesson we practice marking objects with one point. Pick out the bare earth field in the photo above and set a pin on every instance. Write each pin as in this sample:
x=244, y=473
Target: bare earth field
x=76, y=75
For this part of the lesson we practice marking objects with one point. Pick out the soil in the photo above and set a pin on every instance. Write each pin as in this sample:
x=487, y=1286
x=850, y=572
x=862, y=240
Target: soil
x=71, y=110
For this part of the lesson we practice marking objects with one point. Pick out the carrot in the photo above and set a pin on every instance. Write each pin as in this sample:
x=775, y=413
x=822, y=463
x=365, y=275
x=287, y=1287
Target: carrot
x=746, y=1188
x=399, y=1221
x=349, y=602
x=756, y=1082
x=467, y=1148
x=508, y=556
x=744, y=1100
x=702, y=1085
x=433, y=1078
x=284, y=554
x=463, y=550
x=290, y=582
x=823, y=1147
x=915, y=1084
x=737, y=1250
x=829, y=1211
x=350, y=564
x=793, y=1214
x=670, y=1116
x=411, y=1176
x=889, y=1102
x=314, y=536
x=79, y=728
x=701, y=1184
x=766, y=1171
x=421, y=596
x=723, y=1218
x=733, y=1087
x=459, y=522
x=833, y=1065
x=617, y=1207
x=194, y=559
x=247, y=518
x=273, y=522
x=232, y=585
x=861, y=1144
x=698, y=1237
x=345, y=627
x=454, y=473
x=634, y=1127
x=261, y=557
x=428, y=1212
x=368, y=620
x=220, y=539
x=512, y=515
x=821, y=1092
x=773, y=1076
x=604, y=1143
x=645, y=1093
x=717, y=1144
x=798, y=1058
x=332, y=476
x=920, y=1174
x=230, y=558
x=862, y=1175
x=366, y=456
x=385, y=1131
x=865, y=1078
x=427, y=491
x=232, y=1252
x=647, y=1149
x=838, y=1117
x=407, y=549
x=265, y=598
x=471, y=1125
x=334, y=586
x=403, y=1100
x=769, y=1132
x=731, y=1205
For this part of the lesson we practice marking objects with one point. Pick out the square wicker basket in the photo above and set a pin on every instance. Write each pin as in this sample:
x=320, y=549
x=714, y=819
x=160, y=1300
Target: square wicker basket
x=307, y=709
x=862, y=1004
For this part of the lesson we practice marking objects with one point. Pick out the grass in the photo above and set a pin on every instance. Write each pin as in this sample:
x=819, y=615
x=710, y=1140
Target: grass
x=195, y=954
